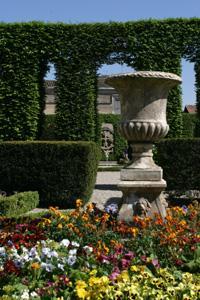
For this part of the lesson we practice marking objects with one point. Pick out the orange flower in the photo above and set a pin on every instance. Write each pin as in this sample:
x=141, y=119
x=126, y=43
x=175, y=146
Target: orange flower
x=85, y=217
x=105, y=217
x=133, y=231
x=70, y=225
x=79, y=203
x=90, y=207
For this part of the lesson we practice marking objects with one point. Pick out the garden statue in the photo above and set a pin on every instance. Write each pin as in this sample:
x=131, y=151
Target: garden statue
x=143, y=97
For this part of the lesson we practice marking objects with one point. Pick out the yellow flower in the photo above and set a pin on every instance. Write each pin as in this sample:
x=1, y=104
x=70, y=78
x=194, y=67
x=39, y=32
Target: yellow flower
x=46, y=221
x=82, y=293
x=93, y=272
x=81, y=284
x=64, y=217
x=124, y=276
x=134, y=269
x=59, y=226
x=80, y=289
x=35, y=266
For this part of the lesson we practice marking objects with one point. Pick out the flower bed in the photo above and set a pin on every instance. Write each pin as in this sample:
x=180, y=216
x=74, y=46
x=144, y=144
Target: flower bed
x=88, y=254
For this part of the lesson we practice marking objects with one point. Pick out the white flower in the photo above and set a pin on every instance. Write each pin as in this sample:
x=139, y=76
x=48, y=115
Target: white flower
x=61, y=266
x=46, y=251
x=18, y=263
x=75, y=244
x=2, y=251
x=37, y=258
x=48, y=267
x=25, y=257
x=65, y=242
x=72, y=252
x=54, y=253
x=71, y=260
x=25, y=295
x=33, y=252
x=34, y=294
x=88, y=249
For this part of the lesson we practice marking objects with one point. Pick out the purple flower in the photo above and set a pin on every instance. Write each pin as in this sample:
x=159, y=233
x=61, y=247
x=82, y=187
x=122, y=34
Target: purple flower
x=184, y=208
x=112, y=208
x=143, y=258
x=129, y=255
x=125, y=263
x=155, y=263
x=114, y=274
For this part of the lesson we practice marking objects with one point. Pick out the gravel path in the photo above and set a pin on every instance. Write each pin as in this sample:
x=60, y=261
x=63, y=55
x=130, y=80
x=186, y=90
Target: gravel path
x=106, y=191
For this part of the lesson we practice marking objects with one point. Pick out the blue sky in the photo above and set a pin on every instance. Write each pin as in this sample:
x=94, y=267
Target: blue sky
x=81, y=11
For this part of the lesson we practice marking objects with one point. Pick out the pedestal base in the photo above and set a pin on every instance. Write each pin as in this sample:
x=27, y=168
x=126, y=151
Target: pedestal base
x=142, y=198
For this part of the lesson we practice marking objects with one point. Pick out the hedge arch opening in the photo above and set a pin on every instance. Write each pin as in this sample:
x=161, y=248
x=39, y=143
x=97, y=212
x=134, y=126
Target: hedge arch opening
x=50, y=89
x=188, y=84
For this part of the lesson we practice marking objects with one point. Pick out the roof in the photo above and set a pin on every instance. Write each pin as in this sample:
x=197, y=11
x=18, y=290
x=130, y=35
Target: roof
x=190, y=109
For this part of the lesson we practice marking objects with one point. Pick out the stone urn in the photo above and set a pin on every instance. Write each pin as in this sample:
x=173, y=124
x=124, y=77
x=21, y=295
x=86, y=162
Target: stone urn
x=143, y=97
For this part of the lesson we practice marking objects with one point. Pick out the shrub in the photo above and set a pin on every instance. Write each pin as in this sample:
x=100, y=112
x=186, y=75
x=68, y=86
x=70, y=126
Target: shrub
x=59, y=171
x=180, y=161
x=189, y=125
x=18, y=203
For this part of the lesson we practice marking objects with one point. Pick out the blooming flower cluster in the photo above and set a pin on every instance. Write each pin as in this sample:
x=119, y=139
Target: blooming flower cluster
x=89, y=254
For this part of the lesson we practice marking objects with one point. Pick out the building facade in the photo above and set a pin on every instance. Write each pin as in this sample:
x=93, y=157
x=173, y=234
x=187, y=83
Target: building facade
x=108, y=99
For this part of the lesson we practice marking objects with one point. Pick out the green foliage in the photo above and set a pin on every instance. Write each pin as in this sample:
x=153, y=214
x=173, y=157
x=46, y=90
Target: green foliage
x=180, y=161
x=49, y=128
x=19, y=203
x=77, y=51
x=120, y=144
x=60, y=171
x=49, y=133
x=190, y=125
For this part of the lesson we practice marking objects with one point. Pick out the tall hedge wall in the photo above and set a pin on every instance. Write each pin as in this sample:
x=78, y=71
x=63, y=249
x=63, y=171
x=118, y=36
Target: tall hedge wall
x=77, y=51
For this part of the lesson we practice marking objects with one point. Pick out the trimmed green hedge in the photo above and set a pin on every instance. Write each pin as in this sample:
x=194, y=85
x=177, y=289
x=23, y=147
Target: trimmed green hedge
x=78, y=51
x=60, y=171
x=180, y=160
x=19, y=203
x=190, y=125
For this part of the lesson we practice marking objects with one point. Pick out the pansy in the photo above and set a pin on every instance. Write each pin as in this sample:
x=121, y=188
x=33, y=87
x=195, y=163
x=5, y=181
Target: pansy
x=71, y=260
x=65, y=242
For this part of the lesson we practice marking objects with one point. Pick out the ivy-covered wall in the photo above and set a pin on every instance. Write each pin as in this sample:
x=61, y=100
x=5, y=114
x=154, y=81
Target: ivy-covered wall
x=77, y=51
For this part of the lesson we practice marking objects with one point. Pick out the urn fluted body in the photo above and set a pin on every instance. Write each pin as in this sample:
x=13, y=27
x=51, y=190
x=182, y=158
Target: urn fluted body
x=143, y=97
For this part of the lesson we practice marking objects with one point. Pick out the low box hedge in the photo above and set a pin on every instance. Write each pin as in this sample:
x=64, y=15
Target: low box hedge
x=180, y=160
x=60, y=171
x=19, y=203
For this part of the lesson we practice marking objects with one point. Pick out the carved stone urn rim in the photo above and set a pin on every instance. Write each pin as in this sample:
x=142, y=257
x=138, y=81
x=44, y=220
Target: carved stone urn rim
x=145, y=74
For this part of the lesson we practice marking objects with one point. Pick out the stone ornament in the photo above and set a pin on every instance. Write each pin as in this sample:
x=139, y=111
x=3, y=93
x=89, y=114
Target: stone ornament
x=143, y=98
x=107, y=140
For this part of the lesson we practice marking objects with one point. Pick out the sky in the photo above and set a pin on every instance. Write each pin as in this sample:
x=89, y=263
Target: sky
x=87, y=11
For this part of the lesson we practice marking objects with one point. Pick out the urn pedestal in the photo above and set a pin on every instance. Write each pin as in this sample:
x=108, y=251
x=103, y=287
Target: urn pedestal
x=143, y=97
